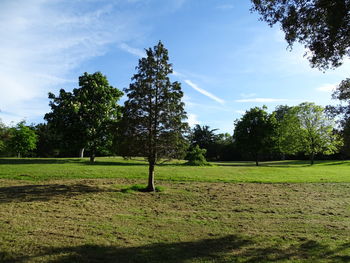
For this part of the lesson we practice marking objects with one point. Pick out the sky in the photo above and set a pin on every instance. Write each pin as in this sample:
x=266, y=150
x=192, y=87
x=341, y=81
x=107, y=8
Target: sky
x=225, y=58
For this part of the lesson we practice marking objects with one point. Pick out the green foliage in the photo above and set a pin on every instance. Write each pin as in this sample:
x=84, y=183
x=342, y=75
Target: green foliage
x=195, y=156
x=321, y=25
x=154, y=113
x=316, y=131
x=83, y=117
x=342, y=112
x=4, y=135
x=23, y=139
x=255, y=132
x=217, y=145
x=48, y=141
x=287, y=130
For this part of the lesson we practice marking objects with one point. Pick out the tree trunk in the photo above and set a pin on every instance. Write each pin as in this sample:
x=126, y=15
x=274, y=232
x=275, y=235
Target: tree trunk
x=257, y=160
x=19, y=155
x=312, y=157
x=81, y=153
x=150, y=187
x=92, y=157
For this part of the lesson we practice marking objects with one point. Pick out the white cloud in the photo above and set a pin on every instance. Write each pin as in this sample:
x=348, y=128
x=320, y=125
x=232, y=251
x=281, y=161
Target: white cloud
x=240, y=112
x=261, y=100
x=42, y=41
x=192, y=119
x=204, y=92
x=327, y=88
x=133, y=51
x=178, y=74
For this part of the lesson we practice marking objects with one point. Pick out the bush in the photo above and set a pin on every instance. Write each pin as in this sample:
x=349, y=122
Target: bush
x=195, y=157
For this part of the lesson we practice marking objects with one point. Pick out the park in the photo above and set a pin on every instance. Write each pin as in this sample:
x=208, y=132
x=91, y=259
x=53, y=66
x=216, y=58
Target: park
x=103, y=174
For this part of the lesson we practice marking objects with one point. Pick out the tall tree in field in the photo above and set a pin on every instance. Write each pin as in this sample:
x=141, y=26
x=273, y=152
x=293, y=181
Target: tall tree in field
x=154, y=113
x=23, y=139
x=316, y=131
x=255, y=132
x=323, y=26
x=87, y=112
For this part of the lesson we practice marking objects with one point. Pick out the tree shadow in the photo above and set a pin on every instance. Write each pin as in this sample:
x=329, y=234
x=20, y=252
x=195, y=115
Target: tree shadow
x=29, y=193
x=337, y=163
x=116, y=163
x=17, y=161
x=208, y=249
x=231, y=248
x=279, y=164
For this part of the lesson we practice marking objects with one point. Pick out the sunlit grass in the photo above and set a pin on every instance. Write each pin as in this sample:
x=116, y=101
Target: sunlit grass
x=117, y=167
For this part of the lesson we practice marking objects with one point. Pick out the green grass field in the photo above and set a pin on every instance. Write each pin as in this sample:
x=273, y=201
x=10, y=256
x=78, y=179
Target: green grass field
x=67, y=210
x=267, y=172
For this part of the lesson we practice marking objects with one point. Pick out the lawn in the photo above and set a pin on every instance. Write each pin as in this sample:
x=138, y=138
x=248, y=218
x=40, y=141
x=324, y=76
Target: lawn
x=267, y=172
x=66, y=210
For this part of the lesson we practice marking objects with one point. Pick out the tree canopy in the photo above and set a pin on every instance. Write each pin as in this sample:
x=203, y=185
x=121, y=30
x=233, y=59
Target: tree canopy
x=254, y=133
x=316, y=131
x=23, y=139
x=85, y=115
x=153, y=117
x=322, y=26
x=287, y=130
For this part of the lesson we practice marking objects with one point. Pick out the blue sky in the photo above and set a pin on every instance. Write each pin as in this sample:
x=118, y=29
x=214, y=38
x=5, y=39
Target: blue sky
x=226, y=59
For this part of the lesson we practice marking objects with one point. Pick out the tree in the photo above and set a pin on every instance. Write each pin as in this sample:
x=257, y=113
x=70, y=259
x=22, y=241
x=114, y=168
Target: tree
x=154, y=113
x=195, y=156
x=255, y=132
x=23, y=139
x=205, y=138
x=48, y=142
x=87, y=113
x=322, y=26
x=65, y=124
x=316, y=131
x=287, y=135
x=342, y=93
x=4, y=137
x=98, y=109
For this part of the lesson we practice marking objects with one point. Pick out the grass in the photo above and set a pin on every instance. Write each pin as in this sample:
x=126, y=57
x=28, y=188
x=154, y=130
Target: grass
x=54, y=210
x=268, y=172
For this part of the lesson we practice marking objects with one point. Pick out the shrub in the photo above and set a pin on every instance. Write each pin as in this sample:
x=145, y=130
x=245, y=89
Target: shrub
x=195, y=156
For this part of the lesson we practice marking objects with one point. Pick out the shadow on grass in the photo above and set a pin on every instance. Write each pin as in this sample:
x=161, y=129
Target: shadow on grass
x=132, y=162
x=285, y=164
x=282, y=164
x=116, y=163
x=140, y=188
x=29, y=193
x=17, y=161
x=230, y=248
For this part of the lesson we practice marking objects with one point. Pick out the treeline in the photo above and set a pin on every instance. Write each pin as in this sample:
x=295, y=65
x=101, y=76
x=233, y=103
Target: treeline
x=305, y=131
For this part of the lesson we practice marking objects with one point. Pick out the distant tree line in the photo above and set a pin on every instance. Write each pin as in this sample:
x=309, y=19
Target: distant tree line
x=305, y=131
